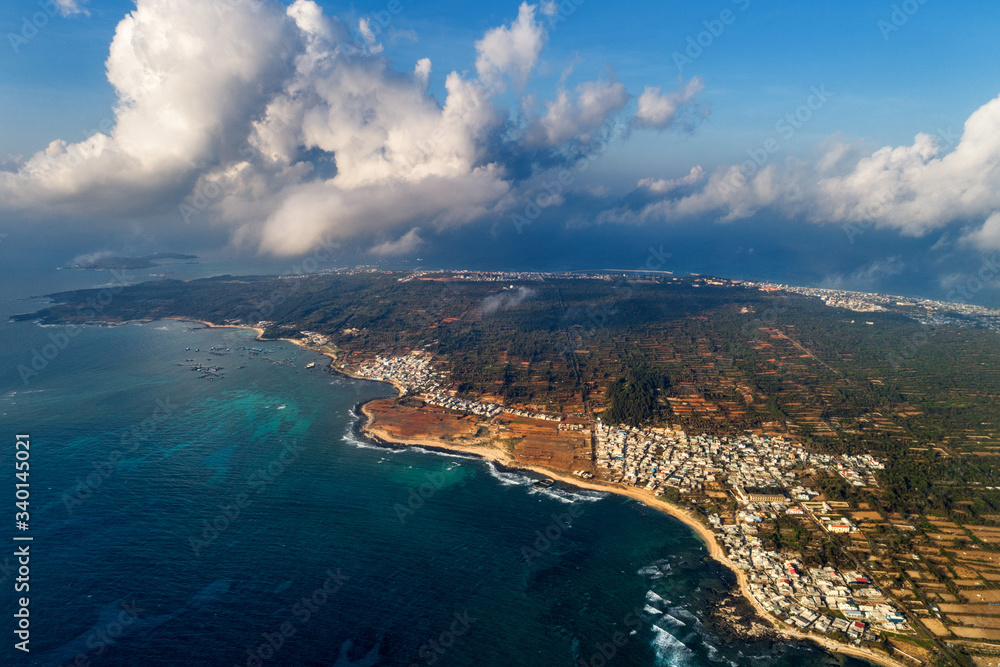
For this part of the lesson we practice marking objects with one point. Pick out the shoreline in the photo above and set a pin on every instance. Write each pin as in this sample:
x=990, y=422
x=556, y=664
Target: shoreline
x=364, y=426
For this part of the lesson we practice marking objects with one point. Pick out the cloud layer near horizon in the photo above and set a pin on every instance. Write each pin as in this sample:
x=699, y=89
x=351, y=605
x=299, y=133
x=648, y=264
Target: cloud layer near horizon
x=287, y=126
x=912, y=189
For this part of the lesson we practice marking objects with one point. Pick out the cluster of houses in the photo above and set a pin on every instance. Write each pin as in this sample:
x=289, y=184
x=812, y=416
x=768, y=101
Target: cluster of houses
x=858, y=469
x=447, y=400
x=657, y=458
x=572, y=427
x=759, y=468
x=928, y=311
x=315, y=339
x=416, y=373
x=535, y=415
x=822, y=599
x=412, y=371
x=763, y=474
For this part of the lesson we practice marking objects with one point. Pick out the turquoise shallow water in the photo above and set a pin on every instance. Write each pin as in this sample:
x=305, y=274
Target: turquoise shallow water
x=180, y=520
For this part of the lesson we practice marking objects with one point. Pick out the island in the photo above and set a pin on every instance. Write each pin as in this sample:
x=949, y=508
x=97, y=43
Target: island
x=836, y=450
x=111, y=262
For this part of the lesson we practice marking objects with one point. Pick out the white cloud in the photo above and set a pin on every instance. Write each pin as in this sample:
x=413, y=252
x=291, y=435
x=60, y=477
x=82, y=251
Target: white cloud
x=364, y=27
x=422, y=71
x=662, y=187
x=549, y=7
x=70, y=8
x=277, y=124
x=986, y=237
x=511, y=50
x=506, y=300
x=187, y=82
x=405, y=245
x=658, y=110
x=87, y=259
x=575, y=118
x=913, y=189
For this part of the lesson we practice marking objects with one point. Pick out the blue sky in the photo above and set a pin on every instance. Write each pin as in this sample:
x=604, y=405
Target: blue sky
x=890, y=70
x=932, y=73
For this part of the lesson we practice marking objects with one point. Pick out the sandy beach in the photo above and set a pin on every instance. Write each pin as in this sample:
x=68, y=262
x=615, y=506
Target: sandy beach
x=371, y=429
x=715, y=549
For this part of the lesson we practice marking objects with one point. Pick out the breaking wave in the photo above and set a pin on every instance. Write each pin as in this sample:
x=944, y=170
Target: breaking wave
x=508, y=478
x=670, y=652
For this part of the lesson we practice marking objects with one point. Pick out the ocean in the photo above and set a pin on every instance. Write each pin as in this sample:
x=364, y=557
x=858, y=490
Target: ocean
x=200, y=498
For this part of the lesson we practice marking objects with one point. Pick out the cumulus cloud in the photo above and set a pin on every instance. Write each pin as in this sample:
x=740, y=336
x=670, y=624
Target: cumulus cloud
x=575, y=117
x=187, y=83
x=511, y=50
x=658, y=110
x=70, y=8
x=364, y=26
x=88, y=259
x=986, y=237
x=912, y=189
x=506, y=300
x=289, y=128
x=422, y=71
x=866, y=277
x=663, y=186
x=404, y=245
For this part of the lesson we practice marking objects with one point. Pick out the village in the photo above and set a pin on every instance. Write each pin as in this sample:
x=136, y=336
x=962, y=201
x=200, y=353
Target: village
x=760, y=473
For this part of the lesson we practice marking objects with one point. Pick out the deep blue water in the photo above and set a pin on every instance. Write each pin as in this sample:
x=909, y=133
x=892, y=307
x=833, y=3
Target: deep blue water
x=135, y=456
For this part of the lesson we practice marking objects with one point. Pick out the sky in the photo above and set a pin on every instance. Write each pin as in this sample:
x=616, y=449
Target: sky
x=850, y=144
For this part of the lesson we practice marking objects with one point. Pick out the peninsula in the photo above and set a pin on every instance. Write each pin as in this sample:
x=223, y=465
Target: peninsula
x=836, y=450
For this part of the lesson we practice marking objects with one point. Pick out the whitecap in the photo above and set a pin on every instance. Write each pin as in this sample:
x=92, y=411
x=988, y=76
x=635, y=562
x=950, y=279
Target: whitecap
x=351, y=439
x=670, y=618
x=649, y=609
x=653, y=597
x=508, y=478
x=451, y=455
x=570, y=497
x=685, y=614
x=651, y=572
x=669, y=650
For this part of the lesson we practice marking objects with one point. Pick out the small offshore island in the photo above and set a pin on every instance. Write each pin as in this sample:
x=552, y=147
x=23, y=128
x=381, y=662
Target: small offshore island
x=834, y=449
